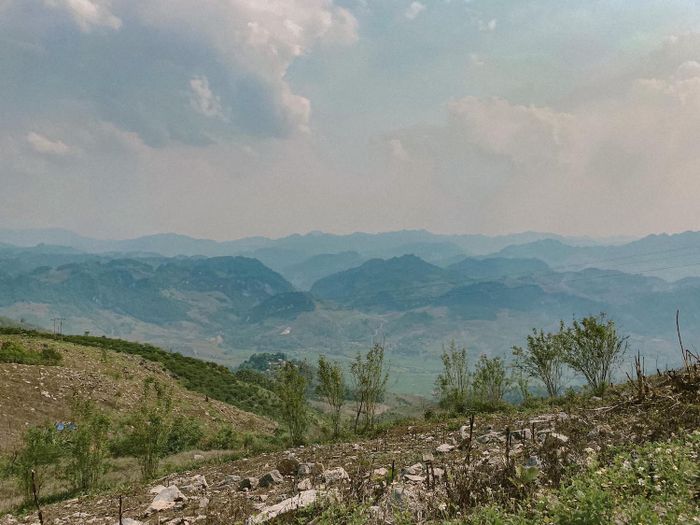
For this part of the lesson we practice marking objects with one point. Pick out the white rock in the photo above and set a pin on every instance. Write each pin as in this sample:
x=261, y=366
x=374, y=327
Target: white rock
x=300, y=501
x=166, y=499
x=335, y=475
x=444, y=448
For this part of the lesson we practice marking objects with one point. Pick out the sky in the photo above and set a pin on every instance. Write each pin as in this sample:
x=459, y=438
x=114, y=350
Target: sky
x=230, y=118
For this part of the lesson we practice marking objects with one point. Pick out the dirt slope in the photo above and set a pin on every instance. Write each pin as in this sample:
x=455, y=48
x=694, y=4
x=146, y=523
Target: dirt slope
x=37, y=394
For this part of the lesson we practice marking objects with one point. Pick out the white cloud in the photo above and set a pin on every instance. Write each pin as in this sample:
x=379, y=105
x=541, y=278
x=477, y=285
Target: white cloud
x=46, y=146
x=88, y=14
x=414, y=10
x=203, y=100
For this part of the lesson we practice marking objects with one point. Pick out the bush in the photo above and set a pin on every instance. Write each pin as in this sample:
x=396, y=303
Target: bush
x=185, y=434
x=14, y=352
x=87, y=447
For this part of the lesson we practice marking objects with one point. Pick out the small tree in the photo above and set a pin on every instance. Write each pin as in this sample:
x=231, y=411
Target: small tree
x=40, y=452
x=331, y=387
x=453, y=382
x=490, y=380
x=370, y=380
x=593, y=348
x=291, y=388
x=150, y=427
x=87, y=447
x=543, y=359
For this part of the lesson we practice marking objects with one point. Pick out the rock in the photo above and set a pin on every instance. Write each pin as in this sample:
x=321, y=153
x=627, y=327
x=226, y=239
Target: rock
x=521, y=435
x=533, y=461
x=428, y=457
x=271, y=478
x=198, y=457
x=310, y=469
x=414, y=479
x=444, y=448
x=414, y=470
x=464, y=432
x=248, y=484
x=438, y=473
x=304, y=484
x=157, y=489
x=335, y=475
x=288, y=466
x=403, y=497
x=561, y=438
x=197, y=482
x=380, y=473
x=231, y=479
x=491, y=437
x=167, y=498
x=300, y=501
x=203, y=503
x=129, y=521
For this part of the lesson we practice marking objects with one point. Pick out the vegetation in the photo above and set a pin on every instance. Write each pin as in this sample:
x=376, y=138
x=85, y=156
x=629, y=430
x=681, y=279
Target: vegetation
x=331, y=388
x=149, y=428
x=593, y=348
x=370, y=378
x=39, y=455
x=291, y=384
x=87, y=447
x=490, y=381
x=543, y=359
x=13, y=352
x=453, y=383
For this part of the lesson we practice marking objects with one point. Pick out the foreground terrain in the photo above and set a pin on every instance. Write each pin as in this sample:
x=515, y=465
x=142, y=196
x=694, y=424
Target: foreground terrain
x=631, y=457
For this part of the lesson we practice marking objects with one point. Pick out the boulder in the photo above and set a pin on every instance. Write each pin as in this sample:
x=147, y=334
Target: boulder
x=248, y=484
x=167, y=498
x=271, y=478
x=335, y=475
x=300, y=501
x=288, y=466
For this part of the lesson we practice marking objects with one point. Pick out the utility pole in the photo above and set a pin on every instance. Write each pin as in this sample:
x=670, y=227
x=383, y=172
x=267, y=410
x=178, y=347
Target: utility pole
x=58, y=325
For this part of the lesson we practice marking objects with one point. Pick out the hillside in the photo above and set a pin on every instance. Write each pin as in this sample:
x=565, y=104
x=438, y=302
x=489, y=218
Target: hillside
x=34, y=394
x=628, y=458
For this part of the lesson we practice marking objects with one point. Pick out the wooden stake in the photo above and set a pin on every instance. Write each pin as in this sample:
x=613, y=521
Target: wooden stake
x=36, y=498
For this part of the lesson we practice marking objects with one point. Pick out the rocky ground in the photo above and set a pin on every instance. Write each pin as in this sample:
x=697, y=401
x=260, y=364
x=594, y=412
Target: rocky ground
x=428, y=471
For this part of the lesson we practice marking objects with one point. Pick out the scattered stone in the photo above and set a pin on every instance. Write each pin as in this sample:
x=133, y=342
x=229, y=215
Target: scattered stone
x=248, y=484
x=310, y=469
x=197, y=482
x=414, y=479
x=428, y=457
x=271, y=478
x=198, y=457
x=129, y=521
x=444, y=448
x=380, y=473
x=231, y=479
x=414, y=470
x=559, y=437
x=157, y=489
x=304, y=484
x=167, y=498
x=335, y=475
x=491, y=437
x=203, y=503
x=300, y=501
x=533, y=461
x=288, y=466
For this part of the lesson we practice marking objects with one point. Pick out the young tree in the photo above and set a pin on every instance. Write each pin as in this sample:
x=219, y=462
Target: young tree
x=291, y=388
x=593, y=348
x=331, y=387
x=87, y=447
x=41, y=451
x=369, y=378
x=543, y=359
x=490, y=380
x=453, y=383
x=150, y=427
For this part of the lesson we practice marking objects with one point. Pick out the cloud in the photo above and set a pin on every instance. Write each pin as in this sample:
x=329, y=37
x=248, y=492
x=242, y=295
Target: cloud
x=88, y=14
x=203, y=100
x=46, y=146
x=414, y=10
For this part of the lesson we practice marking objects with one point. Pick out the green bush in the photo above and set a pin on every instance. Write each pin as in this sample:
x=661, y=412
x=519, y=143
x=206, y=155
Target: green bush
x=14, y=352
x=87, y=447
x=185, y=433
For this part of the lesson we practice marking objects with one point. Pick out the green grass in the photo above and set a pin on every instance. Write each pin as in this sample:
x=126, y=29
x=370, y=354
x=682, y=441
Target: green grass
x=13, y=352
x=211, y=379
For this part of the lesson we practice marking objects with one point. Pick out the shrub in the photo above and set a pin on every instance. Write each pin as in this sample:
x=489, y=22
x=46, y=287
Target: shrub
x=87, y=447
x=543, y=359
x=291, y=388
x=185, y=433
x=40, y=452
x=331, y=388
x=490, y=381
x=453, y=383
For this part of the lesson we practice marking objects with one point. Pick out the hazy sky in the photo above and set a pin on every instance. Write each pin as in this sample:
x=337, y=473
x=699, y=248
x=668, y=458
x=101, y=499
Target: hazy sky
x=227, y=118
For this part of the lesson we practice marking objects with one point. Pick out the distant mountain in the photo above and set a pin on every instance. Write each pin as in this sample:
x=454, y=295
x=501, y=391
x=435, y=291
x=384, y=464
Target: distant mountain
x=494, y=268
x=286, y=305
x=304, y=274
x=399, y=283
x=667, y=256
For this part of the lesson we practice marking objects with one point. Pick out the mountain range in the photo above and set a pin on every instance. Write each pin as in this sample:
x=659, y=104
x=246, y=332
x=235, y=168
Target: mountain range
x=298, y=299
